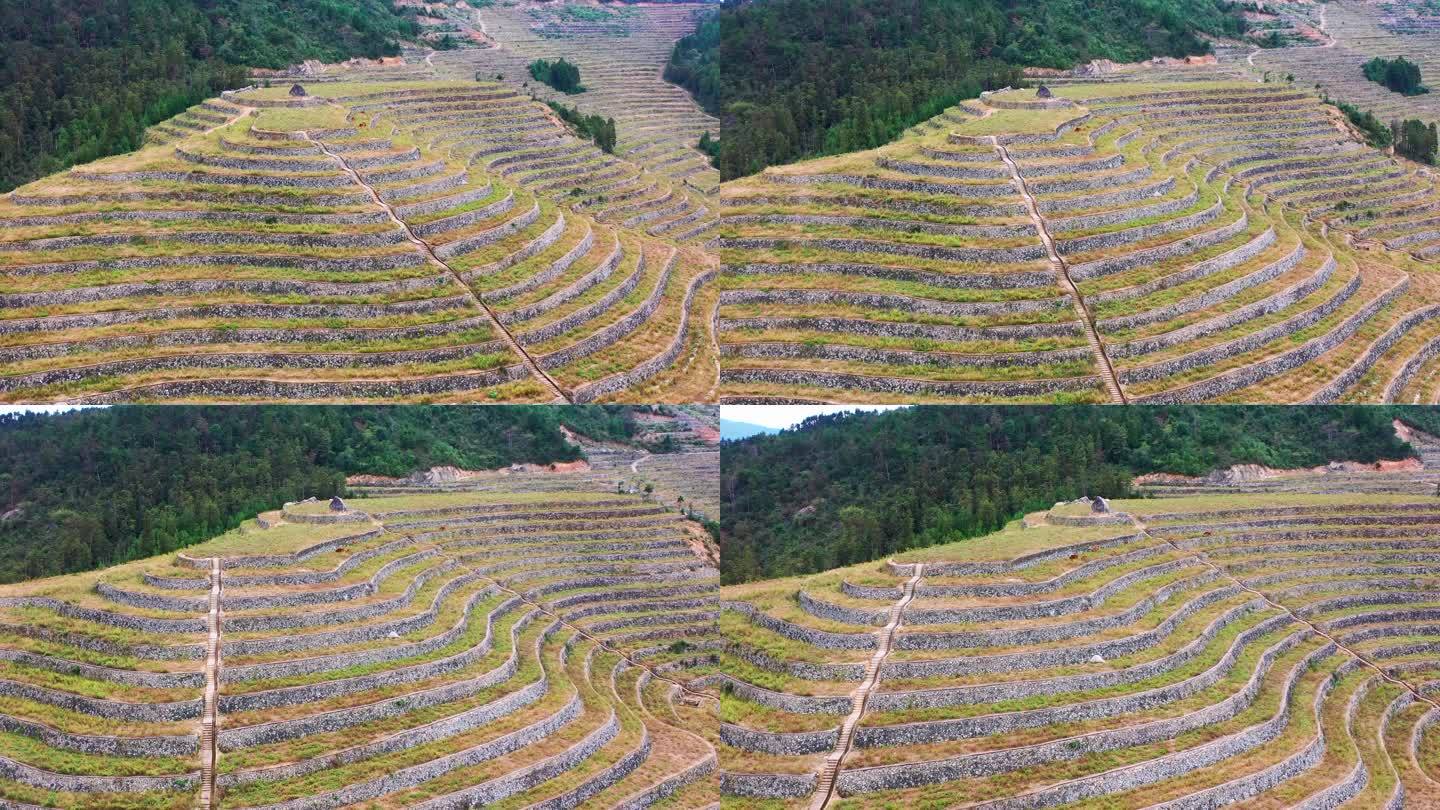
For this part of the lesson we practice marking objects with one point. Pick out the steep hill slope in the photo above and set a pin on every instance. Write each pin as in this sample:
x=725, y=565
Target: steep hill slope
x=793, y=84
x=1233, y=650
x=379, y=238
x=1163, y=234
x=525, y=642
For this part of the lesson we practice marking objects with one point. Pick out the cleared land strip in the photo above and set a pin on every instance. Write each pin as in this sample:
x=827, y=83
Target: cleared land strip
x=209, y=752
x=1062, y=271
x=459, y=279
x=1225, y=650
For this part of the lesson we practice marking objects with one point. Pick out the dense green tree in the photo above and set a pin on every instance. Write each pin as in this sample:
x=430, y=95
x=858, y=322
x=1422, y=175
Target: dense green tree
x=96, y=487
x=561, y=75
x=803, y=78
x=1398, y=74
x=82, y=79
x=1415, y=140
x=597, y=128
x=695, y=64
x=848, y=488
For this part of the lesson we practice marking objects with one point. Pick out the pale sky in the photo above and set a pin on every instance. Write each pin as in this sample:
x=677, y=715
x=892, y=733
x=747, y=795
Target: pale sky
x=8, y=409
x=784, y=416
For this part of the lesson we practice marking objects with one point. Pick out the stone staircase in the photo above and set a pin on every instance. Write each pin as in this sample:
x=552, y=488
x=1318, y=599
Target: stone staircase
x=825, y=784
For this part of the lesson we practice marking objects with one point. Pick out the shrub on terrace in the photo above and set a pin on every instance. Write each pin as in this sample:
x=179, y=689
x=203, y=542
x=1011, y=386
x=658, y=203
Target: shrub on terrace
x=561, y=75
x=709, y=145
x=1415, y=140
x=596, y=128
x=1398, y=74
x=1376, y=134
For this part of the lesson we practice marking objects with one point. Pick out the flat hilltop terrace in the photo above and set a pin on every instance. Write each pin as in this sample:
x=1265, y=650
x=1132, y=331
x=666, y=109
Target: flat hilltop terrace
x=621, y=50
x=1158, y=234
x=1234, y=650
x=426, y=649
x=405, y=240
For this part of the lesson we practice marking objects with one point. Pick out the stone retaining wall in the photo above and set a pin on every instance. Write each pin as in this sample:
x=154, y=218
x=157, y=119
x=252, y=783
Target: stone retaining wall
x=183, y=746
x=1089, y=202
x=619, y=329
x=1015, y=690
x=950, y=569
x=905, y=385
x=1041, y=659
x=48, y=780
x=867, y=246
x=1046, y=633
x=899, y=357
x=989, y=763
x=790, y=630
x=1186, y=761
x=417, y=774
x=1255, y=372
x=450, y=250
x=213, y=178
x=890, y=184
x=797, y=744
x=1070, y=605
x=1110, y=265
x=109, y=709
x=530, y=776
x=1211, y=296
x=969, y=281
x=1272, y=303
x=766, y=785
x=390, y=261
x=584, y=314
x=235, y=738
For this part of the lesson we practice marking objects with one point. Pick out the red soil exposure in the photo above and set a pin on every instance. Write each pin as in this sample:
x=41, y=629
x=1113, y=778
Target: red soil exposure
x=1252, y=472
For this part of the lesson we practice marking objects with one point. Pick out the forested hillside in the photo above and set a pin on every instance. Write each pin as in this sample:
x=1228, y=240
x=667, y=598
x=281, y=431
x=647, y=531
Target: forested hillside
x=95, y=487
x=848, y=488
x=81, y=79
x=695, y=64
x=812, y=77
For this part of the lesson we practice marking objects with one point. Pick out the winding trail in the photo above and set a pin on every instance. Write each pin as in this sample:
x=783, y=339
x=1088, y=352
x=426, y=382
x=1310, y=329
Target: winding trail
x=509, y=338
x=209, y=752
x=825, y=784
x=1062, y=272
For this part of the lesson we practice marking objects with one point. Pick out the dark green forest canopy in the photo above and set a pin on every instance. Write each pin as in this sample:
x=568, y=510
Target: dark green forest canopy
x=96, y=487
x=804, y=78
x=82, y=79
x=849, y=488
x=695, y=63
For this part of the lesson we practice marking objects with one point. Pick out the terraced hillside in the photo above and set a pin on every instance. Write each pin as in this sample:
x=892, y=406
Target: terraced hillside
x=511, y=648
x=1165, y=235
x=397, y=240
x=1351, y=34
x=621, y=50
x=1221, y=650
